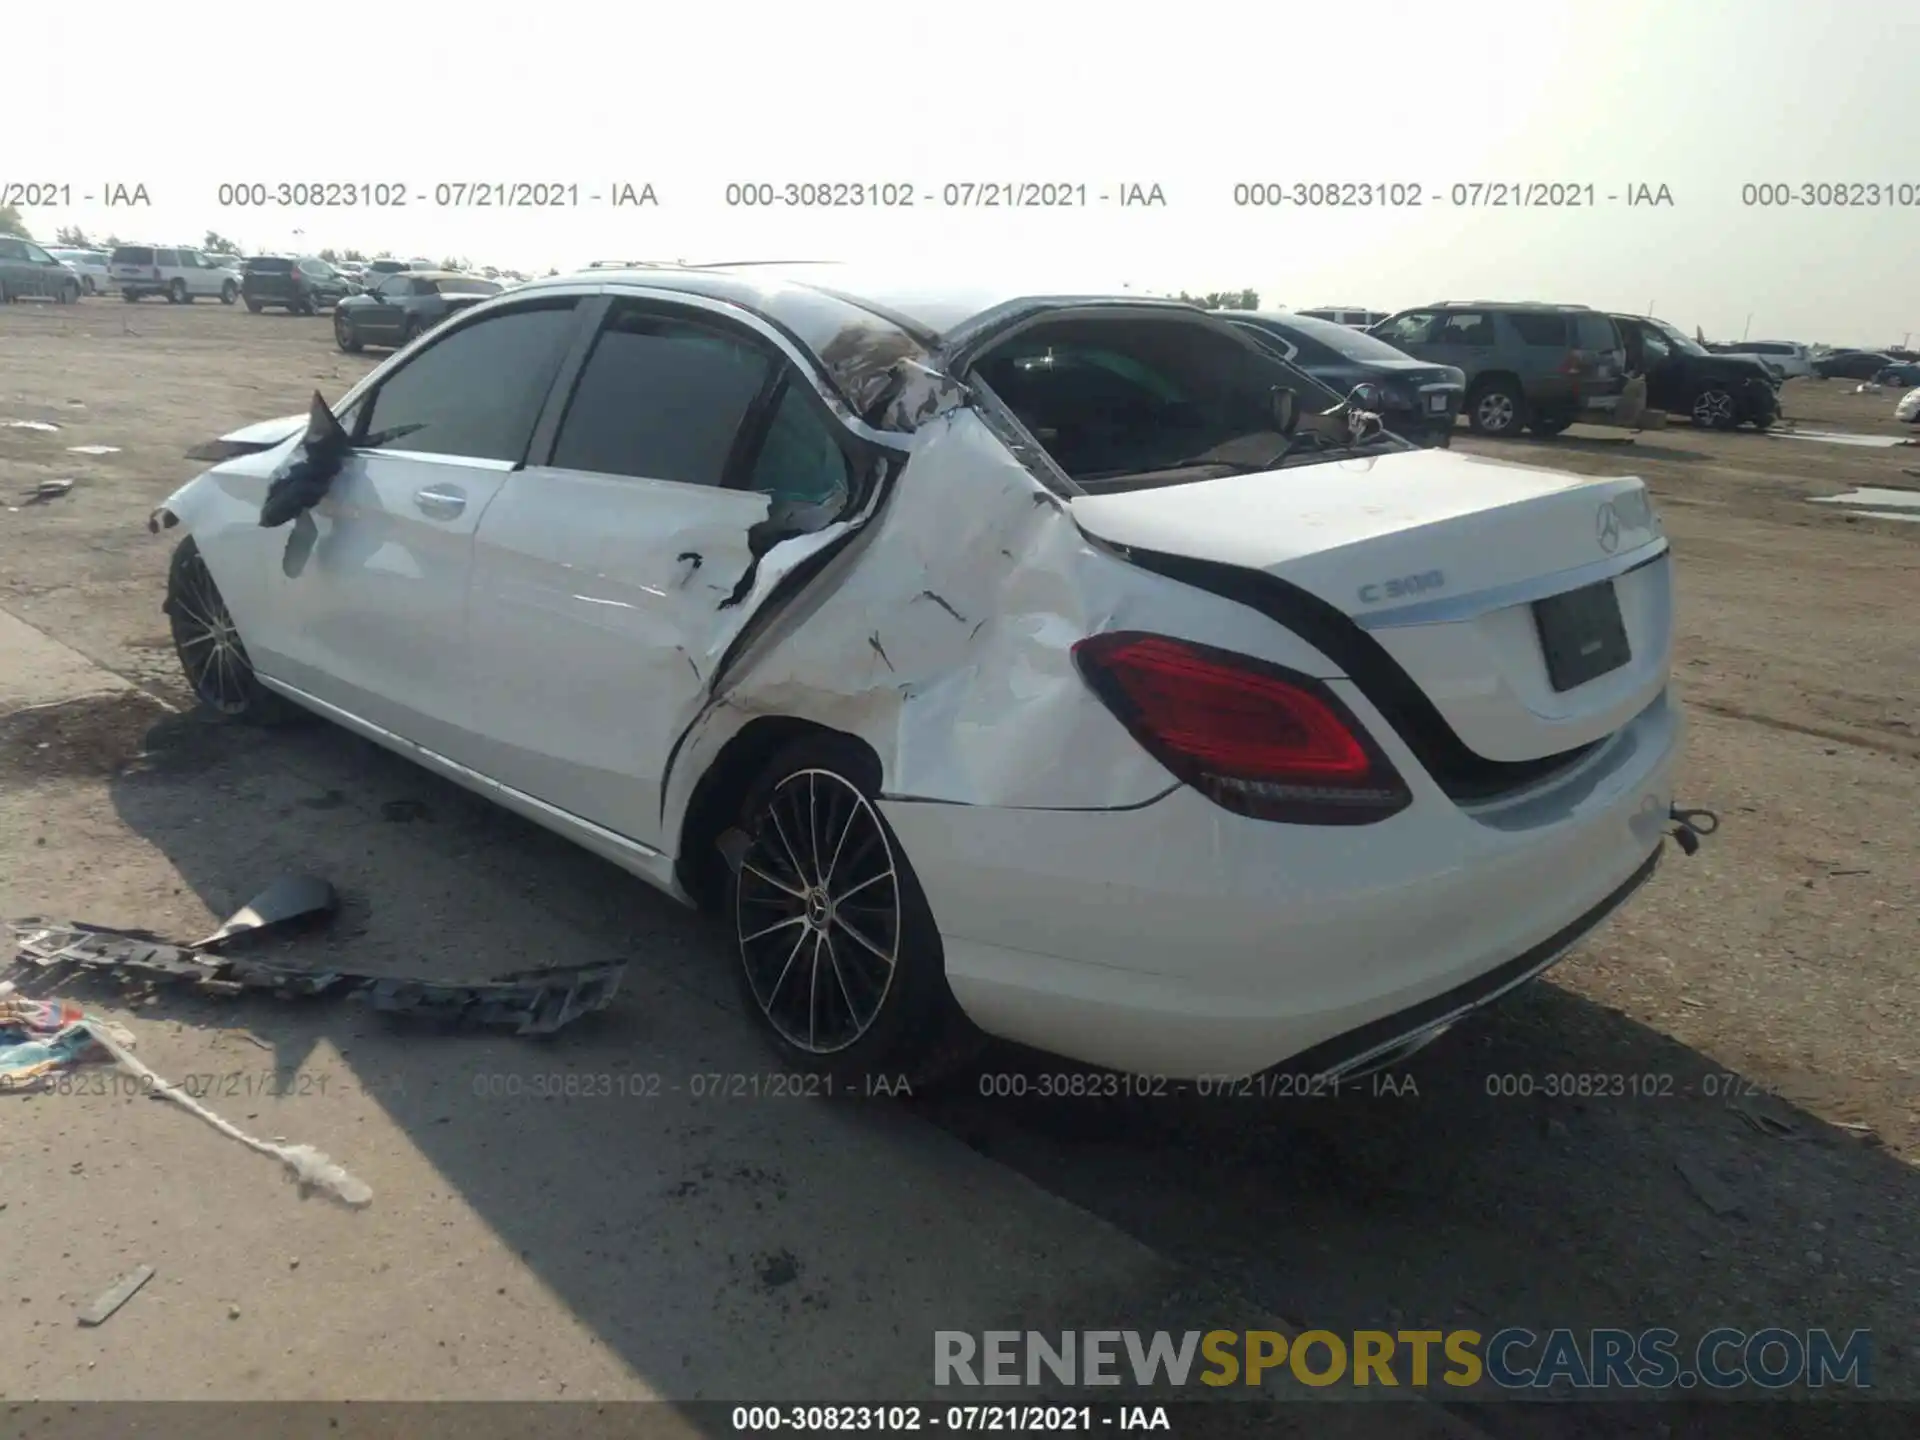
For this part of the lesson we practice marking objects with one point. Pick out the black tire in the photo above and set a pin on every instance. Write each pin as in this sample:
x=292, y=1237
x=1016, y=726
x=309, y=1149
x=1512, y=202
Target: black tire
x=344, y=335
x=208, y=646
x=302, y=307
x=254, y=307
x=69, y=293
x=177, y=293
x=1765, y=423
x=132, y=297
x=1715, y=408
x=1497, y=408
x=5, y=297
x=876, y=1006
x=413, y=330
x=1547, y=426
x=229, y=293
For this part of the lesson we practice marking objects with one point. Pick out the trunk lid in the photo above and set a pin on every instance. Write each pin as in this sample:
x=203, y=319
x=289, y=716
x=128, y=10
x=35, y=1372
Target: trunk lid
x=1442, y=559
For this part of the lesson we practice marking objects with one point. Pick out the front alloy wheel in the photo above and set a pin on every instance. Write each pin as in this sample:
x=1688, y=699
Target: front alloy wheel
x=1714, y=407
x=208, y=643
x=343, y=332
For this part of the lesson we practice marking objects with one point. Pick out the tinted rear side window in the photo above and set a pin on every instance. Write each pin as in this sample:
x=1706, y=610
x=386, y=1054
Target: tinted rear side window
x=268, y=265
x=1536, y=327
x=133, y=255
x=1595, y=332
x=477, y=391
x=660, y=399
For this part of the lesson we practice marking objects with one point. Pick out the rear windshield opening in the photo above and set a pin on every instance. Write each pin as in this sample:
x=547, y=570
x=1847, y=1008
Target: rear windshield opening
x=1595, y=332
x=133, y=255
x=269, y=265
x=1140, y=402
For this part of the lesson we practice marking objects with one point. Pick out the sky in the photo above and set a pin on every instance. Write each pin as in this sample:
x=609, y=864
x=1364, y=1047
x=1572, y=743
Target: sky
x=1706, y=98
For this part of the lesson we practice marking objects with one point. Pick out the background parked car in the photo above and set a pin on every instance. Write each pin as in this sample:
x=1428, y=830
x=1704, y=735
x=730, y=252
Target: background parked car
x=1904, y=372
x=298, y=284
x=406, y=305
x=26, y=269
x=1851, y=364
x=1528, y=364
x=89, y=265
x=1419, y=401
x=1345, y=315
x=1788, y=360
x=1684, y=377
x=182, y=275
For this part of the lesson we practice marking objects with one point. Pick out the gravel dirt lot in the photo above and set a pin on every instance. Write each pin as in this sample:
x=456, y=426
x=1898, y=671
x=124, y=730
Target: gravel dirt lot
x=1759, y=998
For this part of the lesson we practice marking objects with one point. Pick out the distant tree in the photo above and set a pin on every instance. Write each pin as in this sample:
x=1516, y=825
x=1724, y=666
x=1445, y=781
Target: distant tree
x=218, y=244
x=330, y=255
x=12, y=224
x=553, y=272
x=354, y=255
x=72, y=236
x=1223, y=299
x=112, y=242
x=455, y=262
x=383, y=255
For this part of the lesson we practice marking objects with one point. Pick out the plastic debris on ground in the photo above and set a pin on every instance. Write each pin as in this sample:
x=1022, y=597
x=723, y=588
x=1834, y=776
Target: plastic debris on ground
x=40, y=1038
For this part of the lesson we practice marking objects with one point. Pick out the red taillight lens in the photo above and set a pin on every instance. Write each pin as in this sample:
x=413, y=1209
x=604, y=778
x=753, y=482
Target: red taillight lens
x=1255, y=739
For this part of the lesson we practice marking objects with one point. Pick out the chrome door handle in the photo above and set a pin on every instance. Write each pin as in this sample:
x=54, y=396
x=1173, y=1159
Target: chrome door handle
x=438, y=503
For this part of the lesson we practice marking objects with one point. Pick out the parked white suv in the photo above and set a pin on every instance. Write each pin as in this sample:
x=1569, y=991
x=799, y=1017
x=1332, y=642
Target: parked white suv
x=89, y=265
x=181, y=275
x=1783, y=357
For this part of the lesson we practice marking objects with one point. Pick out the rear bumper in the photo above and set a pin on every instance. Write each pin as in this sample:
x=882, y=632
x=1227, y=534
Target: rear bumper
x=1179, y=940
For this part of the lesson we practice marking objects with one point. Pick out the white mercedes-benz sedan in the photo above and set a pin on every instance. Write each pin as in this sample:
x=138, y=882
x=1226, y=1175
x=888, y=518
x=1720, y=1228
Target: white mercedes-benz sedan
x=1068, y=669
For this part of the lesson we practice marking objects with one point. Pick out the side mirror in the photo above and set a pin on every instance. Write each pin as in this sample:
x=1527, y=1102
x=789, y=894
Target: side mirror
x=1365, y=396
x=1285, y=409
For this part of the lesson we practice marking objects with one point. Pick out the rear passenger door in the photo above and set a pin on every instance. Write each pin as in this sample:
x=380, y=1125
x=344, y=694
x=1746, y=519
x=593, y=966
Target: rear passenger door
x=611, y=573
x=372, y=617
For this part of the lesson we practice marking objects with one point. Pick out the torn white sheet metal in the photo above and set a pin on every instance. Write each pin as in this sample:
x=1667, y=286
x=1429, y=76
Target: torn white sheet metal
x=942, y=636
x=1836, y=437
x=1908, y=407
x=93, y=449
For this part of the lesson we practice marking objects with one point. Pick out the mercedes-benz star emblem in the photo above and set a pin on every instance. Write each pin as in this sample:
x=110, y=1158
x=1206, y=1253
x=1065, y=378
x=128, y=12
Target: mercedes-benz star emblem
x=1608, y=526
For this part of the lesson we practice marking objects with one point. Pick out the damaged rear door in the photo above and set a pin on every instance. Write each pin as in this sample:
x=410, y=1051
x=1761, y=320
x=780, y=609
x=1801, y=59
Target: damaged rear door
x=611, y=574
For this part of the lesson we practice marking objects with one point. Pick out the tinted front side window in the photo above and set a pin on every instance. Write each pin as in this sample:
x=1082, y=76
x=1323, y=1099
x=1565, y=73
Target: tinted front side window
x=1407, y=329
x=12, y=249
x=167, y=257
x=1470, y=329
x=661, y=399
x=476, y=392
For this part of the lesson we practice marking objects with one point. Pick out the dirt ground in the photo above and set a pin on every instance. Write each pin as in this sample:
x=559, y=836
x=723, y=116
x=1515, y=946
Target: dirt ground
x=1765, y=990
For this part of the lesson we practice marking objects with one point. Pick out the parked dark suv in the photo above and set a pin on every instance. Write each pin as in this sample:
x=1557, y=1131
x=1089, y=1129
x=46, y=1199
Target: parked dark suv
x=1686, y=378
x=1533, y=365
x=298, y=284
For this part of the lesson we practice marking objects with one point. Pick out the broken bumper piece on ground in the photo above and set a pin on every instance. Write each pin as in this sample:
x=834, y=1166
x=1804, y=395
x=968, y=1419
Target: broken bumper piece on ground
x=531, y=1002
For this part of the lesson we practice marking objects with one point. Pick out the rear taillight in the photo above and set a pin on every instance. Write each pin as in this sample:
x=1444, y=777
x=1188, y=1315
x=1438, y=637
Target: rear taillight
x=1254, y=738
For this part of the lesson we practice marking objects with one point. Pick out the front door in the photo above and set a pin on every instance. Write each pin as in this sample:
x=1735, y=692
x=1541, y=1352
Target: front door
x=370, y=610
x=609, y=580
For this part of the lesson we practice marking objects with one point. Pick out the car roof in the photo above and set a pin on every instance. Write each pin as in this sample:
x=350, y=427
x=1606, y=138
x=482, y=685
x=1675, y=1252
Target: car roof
x=928, y=309
x=858, y=323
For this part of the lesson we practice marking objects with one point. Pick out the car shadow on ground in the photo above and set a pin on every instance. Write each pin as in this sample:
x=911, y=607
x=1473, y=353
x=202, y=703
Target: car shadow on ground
x=1458, y=1190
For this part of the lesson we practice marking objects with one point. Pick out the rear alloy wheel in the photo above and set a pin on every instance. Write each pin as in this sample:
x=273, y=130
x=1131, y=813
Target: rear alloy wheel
x=177, y=293
x=1714, y=407
x=229, y=293
x=343, y=332
x=1496, y=409
x=839, y=960
x=208, y=644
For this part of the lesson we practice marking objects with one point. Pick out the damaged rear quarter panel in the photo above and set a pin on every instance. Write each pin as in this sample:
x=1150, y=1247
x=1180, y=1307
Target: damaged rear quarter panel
x=942, y=636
